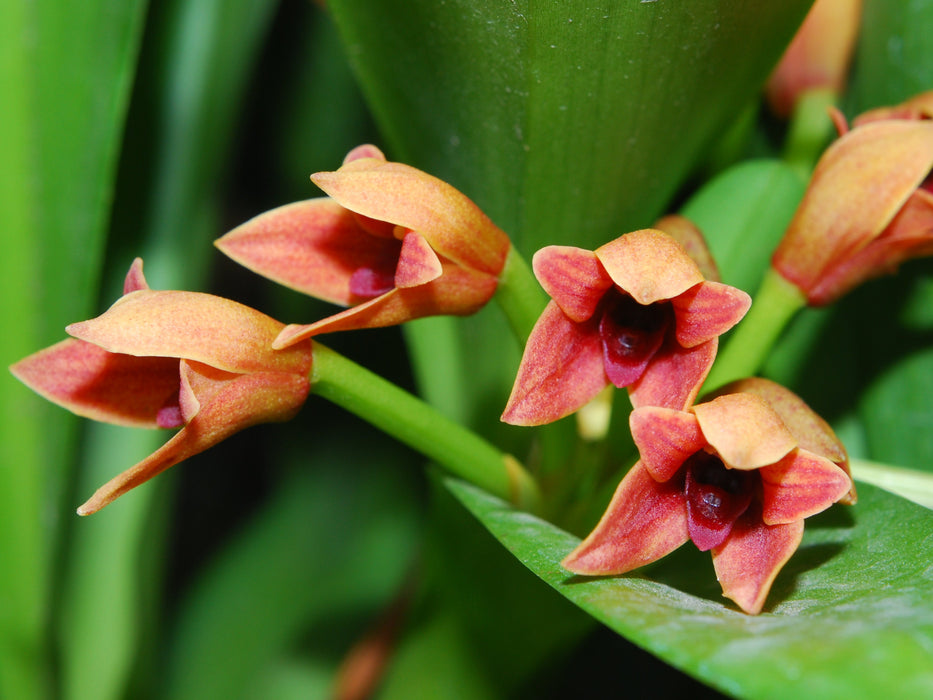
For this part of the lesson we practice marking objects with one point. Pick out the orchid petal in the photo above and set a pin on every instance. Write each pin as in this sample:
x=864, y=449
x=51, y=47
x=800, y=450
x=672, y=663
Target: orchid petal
x=560, y=371
x=91, y=382
x=135, y=280
x=752, y=556
x=366, y=150
x=645, y=521
x=800, y=485
x=909, y=235
x=313, y=247
x=809, y=429
x=744, y=430
x=417, y=263
x=452, y=224
x=238, y=404
x=858, y=186
x=707, y=310
x=649, y=265
x=818, y=57
x=688, y=235
x=573, y=277
x=674, y=376
x=665, y=438
x=458, y=291
x=191, y=325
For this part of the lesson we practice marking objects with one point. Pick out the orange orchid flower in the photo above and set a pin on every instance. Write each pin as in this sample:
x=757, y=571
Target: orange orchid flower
x=736, y=475
x=171, y=359
x=637, y=313
x=867, y=209
x=390, y=241
x=818, y=57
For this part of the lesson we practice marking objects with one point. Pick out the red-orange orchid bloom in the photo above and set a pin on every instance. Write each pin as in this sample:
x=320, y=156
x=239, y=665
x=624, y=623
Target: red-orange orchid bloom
x=171, y=359
x=732, y=475
x=818, y=57
x=390, y=241
x=635, y=313
x=869, y=205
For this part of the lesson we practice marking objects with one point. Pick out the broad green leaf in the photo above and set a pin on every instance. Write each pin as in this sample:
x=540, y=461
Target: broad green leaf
x=743, y=214
x=894, y=58
x=65, y=72
x=196, y=62
x=568, y=122
x=850, y=614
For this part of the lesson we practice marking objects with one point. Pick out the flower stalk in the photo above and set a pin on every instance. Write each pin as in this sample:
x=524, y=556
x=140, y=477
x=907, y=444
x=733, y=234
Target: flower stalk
x=745, y=352
x=415, y=423
x=519, y=295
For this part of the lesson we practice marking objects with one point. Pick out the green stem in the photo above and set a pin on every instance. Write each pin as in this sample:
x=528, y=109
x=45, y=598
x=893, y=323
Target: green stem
x=810, y=130
x=775, y=304
x=519, y=295
x=415, y=423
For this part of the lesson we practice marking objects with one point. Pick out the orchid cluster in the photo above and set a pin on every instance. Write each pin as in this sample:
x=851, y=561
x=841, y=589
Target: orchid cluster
x=736, y=471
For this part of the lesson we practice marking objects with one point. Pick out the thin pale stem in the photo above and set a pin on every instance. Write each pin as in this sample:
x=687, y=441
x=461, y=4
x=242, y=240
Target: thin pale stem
x=912, y=484
x=519, y=295
x=774, y=305
x=415, y=423
x=810, y=130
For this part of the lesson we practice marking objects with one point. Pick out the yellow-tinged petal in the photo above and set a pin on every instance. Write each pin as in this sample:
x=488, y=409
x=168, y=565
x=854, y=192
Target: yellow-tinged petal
x=752, y=556
x=645, y=521
x=665, y=438
x=453, y=225
x=808, y=428
x=201, y=327
x=917, y=107
x=572, y=277
x=93, y=383
x=858, y=187
x=819, y=55
x=744, y=430
x=800, y=485
x=458, y=291
x=649, y=265
x=688, y=235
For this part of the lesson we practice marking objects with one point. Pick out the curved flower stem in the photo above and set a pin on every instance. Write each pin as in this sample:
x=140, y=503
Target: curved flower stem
x=810, y=130
x=773, y=307
x=912, y=484
x=519, y=295
x=415, y=423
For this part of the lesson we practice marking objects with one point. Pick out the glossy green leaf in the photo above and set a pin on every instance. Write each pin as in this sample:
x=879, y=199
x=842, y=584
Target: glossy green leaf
x=65, y=73
x=893, y=58
x=196, y=64
x=743, y=214
x=568, y=122
x=850, y=614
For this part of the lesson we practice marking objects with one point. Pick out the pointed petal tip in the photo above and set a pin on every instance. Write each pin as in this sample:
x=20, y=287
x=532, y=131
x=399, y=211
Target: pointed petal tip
x=290, y=335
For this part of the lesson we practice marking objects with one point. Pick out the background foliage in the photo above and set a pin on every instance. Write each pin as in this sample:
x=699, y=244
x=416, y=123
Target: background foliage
x=132, y=128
